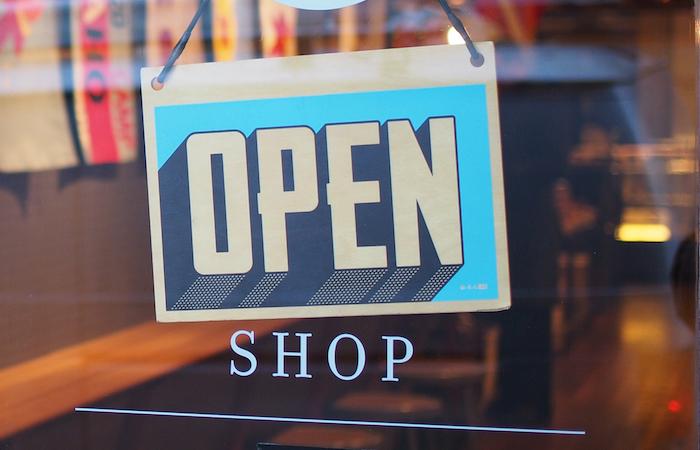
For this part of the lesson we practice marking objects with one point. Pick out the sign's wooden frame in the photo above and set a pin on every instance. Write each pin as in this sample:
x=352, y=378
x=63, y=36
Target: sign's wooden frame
x=393, y=69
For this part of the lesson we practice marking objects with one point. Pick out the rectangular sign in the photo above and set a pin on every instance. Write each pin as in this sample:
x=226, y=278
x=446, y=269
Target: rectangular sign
x=329, y=185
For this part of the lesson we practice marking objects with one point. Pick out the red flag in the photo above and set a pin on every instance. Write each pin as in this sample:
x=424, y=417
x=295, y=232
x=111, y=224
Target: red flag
x=223, y=29
x=103, y=80
x=166, y=20
x=278, y=29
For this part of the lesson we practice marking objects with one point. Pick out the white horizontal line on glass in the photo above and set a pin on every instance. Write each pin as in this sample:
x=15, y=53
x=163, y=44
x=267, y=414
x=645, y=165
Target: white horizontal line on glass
x=195, y=415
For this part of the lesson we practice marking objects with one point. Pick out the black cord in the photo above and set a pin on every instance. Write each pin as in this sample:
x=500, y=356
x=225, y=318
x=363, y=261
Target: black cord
x=175, y=53
x=477, y=59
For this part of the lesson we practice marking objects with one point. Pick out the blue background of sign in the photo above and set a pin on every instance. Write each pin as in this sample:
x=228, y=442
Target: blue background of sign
x=477, y=278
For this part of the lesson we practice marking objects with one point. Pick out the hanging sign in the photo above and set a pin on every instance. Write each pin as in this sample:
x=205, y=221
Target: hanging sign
x=329, y=185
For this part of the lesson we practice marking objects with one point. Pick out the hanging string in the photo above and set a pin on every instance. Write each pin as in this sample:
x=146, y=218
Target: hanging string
x=158, y=82
x=477, y=59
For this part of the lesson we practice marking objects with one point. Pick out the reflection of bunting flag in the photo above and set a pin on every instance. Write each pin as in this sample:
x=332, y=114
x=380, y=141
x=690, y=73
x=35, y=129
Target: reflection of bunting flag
x=33, y=123
x=518, y=19
x=166, y=20
x=223, y=29
x=374, y=15
x=247, y=29
x=347, y=29
x=104, y=103
x=417, y=26
x=16, y=18
x=278, y=29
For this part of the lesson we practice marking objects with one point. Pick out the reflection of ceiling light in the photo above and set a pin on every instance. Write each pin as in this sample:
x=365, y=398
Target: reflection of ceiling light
x=453, y=37
x=642, y=232
x=680, y=166
x=674, y=406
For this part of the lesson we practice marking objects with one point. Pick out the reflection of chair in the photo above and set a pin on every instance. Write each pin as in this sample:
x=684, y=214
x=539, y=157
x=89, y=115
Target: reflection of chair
x=389, y=404
x=453, y=376
x=465, y=382
x=329, y=437
x=395, y=407
x=569, y=315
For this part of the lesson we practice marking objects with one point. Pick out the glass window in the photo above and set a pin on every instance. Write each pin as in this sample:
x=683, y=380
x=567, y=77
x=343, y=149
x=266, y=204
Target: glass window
x=598, y=118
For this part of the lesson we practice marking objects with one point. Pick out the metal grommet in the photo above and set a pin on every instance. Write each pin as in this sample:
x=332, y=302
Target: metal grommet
x=477, y=60
x=157, y=85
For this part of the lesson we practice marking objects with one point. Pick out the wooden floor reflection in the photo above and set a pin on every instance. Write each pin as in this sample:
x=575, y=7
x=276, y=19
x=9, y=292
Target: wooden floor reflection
x=627, y=379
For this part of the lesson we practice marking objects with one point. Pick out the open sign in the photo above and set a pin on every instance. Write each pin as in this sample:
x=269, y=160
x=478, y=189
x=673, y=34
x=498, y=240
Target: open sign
x=325, y=185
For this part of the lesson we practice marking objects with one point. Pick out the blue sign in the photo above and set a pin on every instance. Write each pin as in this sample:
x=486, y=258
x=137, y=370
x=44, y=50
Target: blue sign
x=366, y=202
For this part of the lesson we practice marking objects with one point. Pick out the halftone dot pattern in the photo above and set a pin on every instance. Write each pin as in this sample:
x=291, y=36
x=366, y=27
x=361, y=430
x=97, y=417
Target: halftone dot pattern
x=347, y=287
x=262, y=290
x=435, y=283
x=208, y=292
x=394, y=284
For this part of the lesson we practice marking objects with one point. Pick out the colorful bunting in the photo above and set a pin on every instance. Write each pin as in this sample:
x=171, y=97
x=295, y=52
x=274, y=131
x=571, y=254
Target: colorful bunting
x=278, y=29
x=223, y=29
x=103, y=97
x=34, y=126
x=166, y=20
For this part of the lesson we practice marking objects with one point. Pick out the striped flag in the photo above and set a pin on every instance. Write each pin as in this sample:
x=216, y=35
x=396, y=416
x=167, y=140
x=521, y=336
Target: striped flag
x=348, y=38
x=376, y=13
x=278, y=24
x=103, y=98
x=34, y=125
x=247, y=29
x=223, y=29
x=166, y=20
